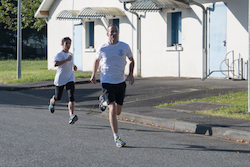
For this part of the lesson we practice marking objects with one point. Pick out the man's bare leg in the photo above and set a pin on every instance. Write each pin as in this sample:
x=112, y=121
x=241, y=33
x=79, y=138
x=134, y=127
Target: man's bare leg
x=112, y=117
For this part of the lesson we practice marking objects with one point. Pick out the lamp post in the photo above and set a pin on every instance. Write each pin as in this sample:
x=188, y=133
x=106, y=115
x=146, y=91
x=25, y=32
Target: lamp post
x=248, y=77
x=19, y=40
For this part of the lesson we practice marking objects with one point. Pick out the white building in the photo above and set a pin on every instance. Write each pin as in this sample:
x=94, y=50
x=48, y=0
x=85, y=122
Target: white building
x=177, y=38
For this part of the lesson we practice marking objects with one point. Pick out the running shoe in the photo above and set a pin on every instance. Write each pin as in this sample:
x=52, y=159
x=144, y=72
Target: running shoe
x=73, y=119
x=51, y=106
x=103, y=103
x=119, y=143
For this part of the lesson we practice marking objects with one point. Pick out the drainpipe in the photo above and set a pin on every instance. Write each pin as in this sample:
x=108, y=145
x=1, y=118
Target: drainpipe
x=204, y=43
x=138, y=39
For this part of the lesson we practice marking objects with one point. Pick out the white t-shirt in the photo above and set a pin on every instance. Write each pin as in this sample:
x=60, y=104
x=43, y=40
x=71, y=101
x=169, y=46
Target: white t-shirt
x=64, y=72
x=113, y=61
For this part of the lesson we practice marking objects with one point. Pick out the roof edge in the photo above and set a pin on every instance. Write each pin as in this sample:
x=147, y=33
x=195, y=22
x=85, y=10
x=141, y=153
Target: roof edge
x=43, y=10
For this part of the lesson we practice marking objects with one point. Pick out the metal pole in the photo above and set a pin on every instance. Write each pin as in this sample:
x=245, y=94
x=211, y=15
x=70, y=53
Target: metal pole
x=233, y=62
x=246, y=70
x=227, y=61
x=241, y=68
x=179, y=64
x=19, y=40
x=248, y=56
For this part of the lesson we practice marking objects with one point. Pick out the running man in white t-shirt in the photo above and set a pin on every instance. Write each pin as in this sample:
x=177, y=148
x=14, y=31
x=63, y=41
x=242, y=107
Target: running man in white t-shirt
x=113, y=56
x=65, y=77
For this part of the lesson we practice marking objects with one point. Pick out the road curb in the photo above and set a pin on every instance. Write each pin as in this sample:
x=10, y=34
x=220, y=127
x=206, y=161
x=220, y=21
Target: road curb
x=220, y=132
x=36, y=85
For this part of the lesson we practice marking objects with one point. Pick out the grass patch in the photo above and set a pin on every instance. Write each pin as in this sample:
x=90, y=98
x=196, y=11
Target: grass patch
x=31, y=71
x=238, y=110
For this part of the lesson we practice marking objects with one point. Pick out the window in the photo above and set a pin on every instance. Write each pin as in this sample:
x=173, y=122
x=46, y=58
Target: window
x=116, y=22
x=90, y=35
x=176, y=28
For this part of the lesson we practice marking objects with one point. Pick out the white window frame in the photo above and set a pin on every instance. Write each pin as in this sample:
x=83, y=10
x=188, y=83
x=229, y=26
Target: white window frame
x=174, y=28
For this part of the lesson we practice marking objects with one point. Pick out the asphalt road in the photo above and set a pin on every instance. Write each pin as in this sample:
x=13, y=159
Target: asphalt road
x=31, y=136
x=149, y=92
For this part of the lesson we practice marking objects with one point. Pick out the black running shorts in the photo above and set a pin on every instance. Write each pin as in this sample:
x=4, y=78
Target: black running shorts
x=114, y=92
x=70, y=87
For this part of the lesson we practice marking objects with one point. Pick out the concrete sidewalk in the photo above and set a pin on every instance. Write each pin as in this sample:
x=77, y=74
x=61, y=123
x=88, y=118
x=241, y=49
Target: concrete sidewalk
x=179, y=117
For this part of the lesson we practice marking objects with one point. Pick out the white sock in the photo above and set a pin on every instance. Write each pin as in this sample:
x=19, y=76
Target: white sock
x=116, y=135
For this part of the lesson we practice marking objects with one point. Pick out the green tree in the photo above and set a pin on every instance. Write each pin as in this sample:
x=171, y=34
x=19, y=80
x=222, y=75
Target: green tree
x=9, y=10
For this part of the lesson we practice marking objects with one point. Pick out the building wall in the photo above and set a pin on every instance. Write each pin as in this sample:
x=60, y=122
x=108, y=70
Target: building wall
x=237, y=32
x=126, y=31
x=191, y=59
x=157, y=57
x=57, y=29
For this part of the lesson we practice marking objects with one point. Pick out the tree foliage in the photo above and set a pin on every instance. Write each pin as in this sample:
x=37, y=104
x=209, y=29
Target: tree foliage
x=9, y=11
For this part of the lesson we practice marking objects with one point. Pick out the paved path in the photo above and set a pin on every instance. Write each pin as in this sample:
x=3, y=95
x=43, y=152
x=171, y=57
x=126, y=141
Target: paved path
x=146, y=93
